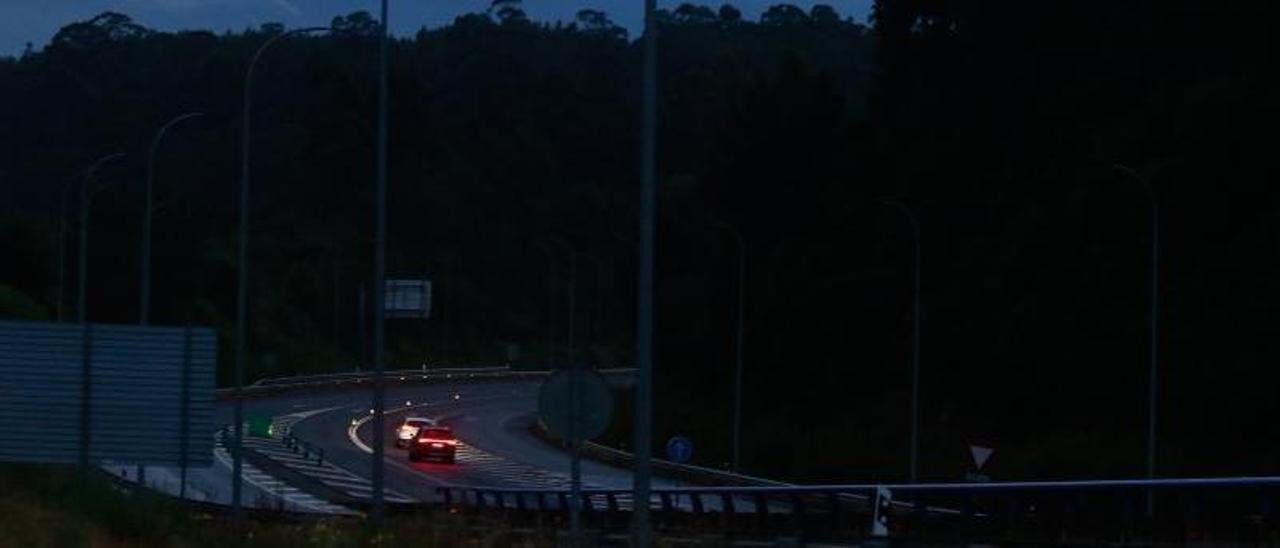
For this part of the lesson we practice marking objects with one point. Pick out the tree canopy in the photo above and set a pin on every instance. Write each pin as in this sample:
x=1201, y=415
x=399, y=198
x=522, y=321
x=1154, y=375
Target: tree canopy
x=998, y=124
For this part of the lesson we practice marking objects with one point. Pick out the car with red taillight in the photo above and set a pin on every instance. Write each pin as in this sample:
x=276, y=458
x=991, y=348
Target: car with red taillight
x=437, y=443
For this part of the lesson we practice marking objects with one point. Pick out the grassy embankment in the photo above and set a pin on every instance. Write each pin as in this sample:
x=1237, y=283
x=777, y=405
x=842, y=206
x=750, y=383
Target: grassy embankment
x=44, y=506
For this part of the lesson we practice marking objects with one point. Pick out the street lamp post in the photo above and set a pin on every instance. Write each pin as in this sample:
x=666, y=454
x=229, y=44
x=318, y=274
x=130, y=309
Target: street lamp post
x=573, y=282
x=144, y=304
x=1153, y=379
x=597, y=310
x=915, y=341
x=643, y=432
x=379, y=275
x=575, y=437
x=737, y=369
x=551, y=304
x=82, y=310
x=62, y=244
x=242, y=275
x=86, y=196
x=144, y=299
x=575, y=414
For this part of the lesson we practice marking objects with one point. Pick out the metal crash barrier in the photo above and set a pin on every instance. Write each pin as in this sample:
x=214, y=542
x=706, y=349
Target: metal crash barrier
x=1196, y=509
x=308, y=383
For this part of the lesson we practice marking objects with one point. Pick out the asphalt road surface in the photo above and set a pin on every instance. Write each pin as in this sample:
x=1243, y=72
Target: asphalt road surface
x=491, y=419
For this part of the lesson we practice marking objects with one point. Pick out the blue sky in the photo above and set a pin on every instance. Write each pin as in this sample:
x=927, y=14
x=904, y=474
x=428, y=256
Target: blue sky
x=36, y=21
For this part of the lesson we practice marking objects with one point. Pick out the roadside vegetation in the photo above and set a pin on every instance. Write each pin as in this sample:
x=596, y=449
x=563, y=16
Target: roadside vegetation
x=45, y=506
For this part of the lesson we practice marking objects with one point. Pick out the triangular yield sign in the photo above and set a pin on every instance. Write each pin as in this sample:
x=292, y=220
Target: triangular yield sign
x=980, y=454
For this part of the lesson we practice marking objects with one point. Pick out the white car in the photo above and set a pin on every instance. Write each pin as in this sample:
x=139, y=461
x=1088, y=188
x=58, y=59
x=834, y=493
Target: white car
x=408, y=429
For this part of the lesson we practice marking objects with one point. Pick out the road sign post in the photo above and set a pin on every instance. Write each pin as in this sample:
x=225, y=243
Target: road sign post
x=980, y=456
x=576, y=405
x=679, y=449
x=184, y=413
x=595, y=406
x=881, y=511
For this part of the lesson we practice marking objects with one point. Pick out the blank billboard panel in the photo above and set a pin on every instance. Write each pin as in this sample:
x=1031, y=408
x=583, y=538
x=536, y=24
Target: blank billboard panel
x=150, y=393
x=408, y=299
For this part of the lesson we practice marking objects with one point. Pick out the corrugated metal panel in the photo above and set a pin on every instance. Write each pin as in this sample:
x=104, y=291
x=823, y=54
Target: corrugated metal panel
x=150, y=397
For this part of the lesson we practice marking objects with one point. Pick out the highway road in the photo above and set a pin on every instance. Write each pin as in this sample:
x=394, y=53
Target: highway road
x=492, y=420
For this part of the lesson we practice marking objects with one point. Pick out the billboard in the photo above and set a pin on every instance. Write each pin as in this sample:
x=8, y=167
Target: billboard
x=408, y=299
x=126, y=394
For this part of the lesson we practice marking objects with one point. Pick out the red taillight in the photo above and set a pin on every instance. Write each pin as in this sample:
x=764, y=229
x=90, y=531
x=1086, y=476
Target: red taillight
x=432, y=440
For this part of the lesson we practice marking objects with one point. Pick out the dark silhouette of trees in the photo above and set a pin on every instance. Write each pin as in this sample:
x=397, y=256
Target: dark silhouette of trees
x=690, y=14
x=98, y=31
x=823, y=14
x=598, y=23
x=509, y=12
x=729, y=14
x=360, y=24
x=998, y=123
x=784, y=14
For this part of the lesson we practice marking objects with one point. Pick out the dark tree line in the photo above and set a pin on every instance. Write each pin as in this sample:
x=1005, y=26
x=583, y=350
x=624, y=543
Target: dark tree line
x=997, y=123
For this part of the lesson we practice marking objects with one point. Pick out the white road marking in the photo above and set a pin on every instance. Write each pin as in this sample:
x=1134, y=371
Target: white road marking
x=318, y=469
x=268, y=484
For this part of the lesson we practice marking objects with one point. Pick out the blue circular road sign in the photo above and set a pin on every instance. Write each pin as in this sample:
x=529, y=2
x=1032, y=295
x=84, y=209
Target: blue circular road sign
x=679, y=449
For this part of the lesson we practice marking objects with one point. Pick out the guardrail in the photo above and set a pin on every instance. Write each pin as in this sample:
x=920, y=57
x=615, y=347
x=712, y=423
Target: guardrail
x=307, y=450
x=686, y=473
x=269, y=387
x=1215, y=509
x=288, y=381
x=298, y=445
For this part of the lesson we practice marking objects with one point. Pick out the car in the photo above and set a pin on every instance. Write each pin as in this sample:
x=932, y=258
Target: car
x=408, y=429
x=435, y=442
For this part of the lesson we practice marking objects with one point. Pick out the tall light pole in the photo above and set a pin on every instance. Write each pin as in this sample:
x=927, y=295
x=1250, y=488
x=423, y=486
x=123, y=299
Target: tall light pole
x=644, y=295
x=598, y=308
x=575, y=437
x=144, y=299
x=915, y=340
x=86, y=198
x=144, y=304
x=242, y=274
x=1152, y=382
x=737, y=341
x=551, y=304
x=573, y=282
x=379, y=275
x=62, y=244
x=82, y=310
x=575, y=415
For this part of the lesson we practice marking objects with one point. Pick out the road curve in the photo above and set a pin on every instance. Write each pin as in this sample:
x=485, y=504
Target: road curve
x=491, y=418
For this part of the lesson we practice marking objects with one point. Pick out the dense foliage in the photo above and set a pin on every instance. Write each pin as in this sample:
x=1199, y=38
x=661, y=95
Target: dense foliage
x=998, y=124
